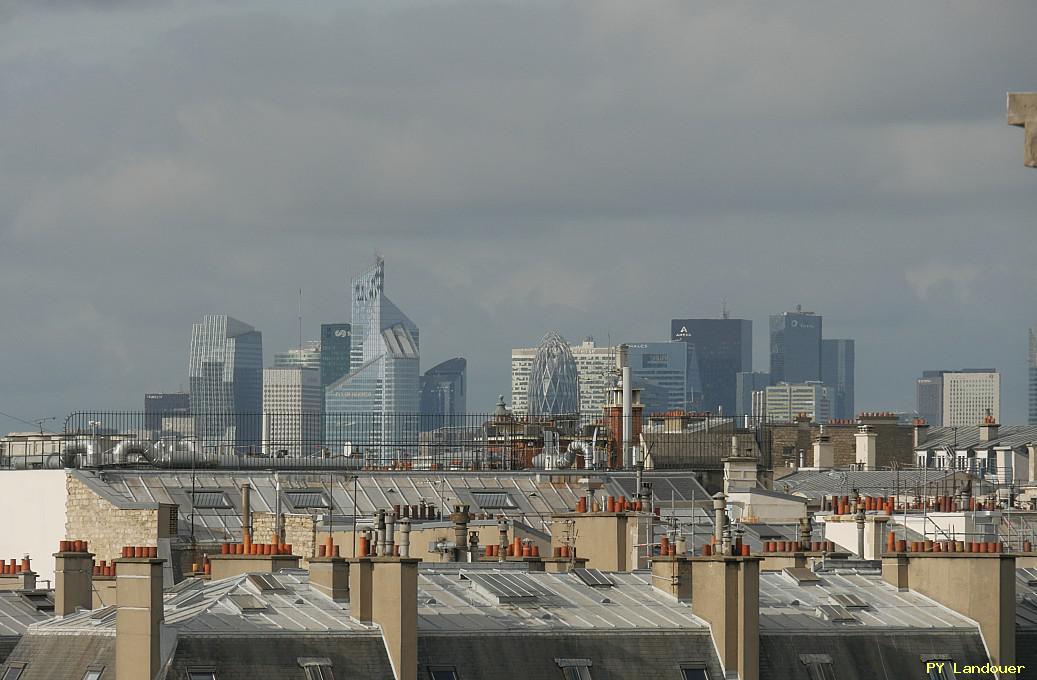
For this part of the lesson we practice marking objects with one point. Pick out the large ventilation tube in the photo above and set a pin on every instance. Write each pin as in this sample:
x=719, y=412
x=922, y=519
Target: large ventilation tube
x=131, y=452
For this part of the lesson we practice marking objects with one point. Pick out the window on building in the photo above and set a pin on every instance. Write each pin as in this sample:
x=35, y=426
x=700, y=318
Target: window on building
x=316, y=668
x=201, y=674
x=819, y=666
x=694, y=672
x=93, y=674
x=442, y=673
x=575, y=669
x=13, y=671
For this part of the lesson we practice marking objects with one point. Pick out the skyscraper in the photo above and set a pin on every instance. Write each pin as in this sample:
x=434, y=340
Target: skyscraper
x=365, y=406
x=161, y=405
x=554, y=386
x=837, y=368
x=718, y=349
x=307, y=356
x=659, y=370
x=782, y=403
x=594, y=363
x=292, y=403
x=929, y=397
x=225, y=375
x=970, y=396
x=334, y=352
x=1033, y=378
x=795, y=347
x=443, y=394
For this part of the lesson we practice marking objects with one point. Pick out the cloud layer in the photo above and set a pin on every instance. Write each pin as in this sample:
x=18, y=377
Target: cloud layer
x=592, y=167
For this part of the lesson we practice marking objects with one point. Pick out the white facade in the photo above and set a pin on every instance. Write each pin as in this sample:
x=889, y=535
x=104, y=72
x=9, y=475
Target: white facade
x=969, y=397
x=593, y=366
x=292, y=400
x=782, y=403
x=307, y=356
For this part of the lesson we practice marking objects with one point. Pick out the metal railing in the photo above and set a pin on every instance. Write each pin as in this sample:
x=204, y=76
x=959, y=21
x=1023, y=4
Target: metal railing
x=371, y=441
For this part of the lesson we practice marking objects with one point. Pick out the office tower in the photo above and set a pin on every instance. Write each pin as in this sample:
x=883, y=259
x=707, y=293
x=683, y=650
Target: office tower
x=783, y=402
x=366, y=407
x=837, y=367
x=443, y=394
x=334, y=352
x=225, y=374
x=718, y=350
x=554, y=386
x=594, y=365
x=659, y=370
x=970, y=396
x=307, y=356
x=292, y=402
x=745, y=384
x=1033, y=378
x=161, y=405
x=929, y=397
x=795, y=347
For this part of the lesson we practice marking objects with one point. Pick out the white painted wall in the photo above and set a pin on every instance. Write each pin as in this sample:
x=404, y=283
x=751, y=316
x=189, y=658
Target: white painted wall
x=32, y=503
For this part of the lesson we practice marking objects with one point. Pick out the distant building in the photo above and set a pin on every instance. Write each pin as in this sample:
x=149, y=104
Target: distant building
x=594, y=364
x=335, y=342
x=929, y=395
x=969, y=397
x=364, y=407
x=1033, y=378
x=795, y=347
x=745, y=384
x=784, y=402
x=718, y=350
x=837, y=369
x=159, y=405
x=659, y=370
x=225, y=373
x=554, y=386
x=292, y=403
x=444, y=394
x=307, y=356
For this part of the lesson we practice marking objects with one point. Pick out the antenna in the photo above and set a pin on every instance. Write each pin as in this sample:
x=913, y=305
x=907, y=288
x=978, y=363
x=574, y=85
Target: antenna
x=724, y=313
x=300, y=318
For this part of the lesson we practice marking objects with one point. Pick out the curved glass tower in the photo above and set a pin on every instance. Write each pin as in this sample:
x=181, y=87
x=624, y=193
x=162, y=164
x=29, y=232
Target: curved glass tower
x=554, y=387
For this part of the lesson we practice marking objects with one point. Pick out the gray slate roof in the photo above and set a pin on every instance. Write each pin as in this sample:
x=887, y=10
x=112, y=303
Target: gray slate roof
x=968, y=437
x=815, y=484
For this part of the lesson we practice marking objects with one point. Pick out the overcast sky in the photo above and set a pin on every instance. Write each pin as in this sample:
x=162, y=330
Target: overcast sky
x=593, y=168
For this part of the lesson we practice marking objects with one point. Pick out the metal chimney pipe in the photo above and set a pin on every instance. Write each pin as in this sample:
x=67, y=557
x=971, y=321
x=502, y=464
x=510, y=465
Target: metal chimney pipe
x=628, y=407
x=719, y=515
x=404, y=537
x=473, y=545
x=246, y=507
x=860, y=534
x=380, y=525
x=390, y=538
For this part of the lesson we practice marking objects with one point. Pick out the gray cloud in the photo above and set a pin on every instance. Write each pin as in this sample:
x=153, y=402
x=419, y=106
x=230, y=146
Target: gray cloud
x=593, y=167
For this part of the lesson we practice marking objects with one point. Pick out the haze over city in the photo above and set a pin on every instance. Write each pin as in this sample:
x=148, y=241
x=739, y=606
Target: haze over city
x=591, y=168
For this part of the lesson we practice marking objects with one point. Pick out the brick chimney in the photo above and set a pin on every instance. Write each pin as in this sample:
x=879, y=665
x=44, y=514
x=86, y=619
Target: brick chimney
x=73, y=577
x=979, y=586
x=988, y=428
x=384, y=590
x=725, y=592
x=921, y=431
x=138, y=619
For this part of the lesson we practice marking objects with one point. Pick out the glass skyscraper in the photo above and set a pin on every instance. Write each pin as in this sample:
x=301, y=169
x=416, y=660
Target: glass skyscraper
x=443, y=394
x=660, y=370
x=334, y=352
x=554, y=385
x=718, y=350
x=795, y=347
x=837, y=368
x=366, y=407
x=225, y=376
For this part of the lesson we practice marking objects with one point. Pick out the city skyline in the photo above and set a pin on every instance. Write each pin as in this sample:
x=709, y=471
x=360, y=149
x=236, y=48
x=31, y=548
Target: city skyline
x=167, y=158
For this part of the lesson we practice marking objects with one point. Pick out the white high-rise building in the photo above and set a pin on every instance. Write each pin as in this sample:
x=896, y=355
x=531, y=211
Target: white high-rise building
x=292, y=402
x=782, y=403
x=969, y=397
x=307, y=356
x=594, y=364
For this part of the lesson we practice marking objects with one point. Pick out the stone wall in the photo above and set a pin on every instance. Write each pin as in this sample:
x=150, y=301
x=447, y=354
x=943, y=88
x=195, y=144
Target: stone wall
x=894, y=443
x=299, y=531
x=108, y=528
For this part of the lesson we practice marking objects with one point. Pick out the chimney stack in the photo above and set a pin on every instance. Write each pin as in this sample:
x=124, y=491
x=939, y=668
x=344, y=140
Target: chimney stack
x=246, y=512
x=988, y=428
x=824, y=450
x=921, y=431
x=73, y=577
x=138, y=619
x=725, y=592
x=866, y=447
x=460, y=518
